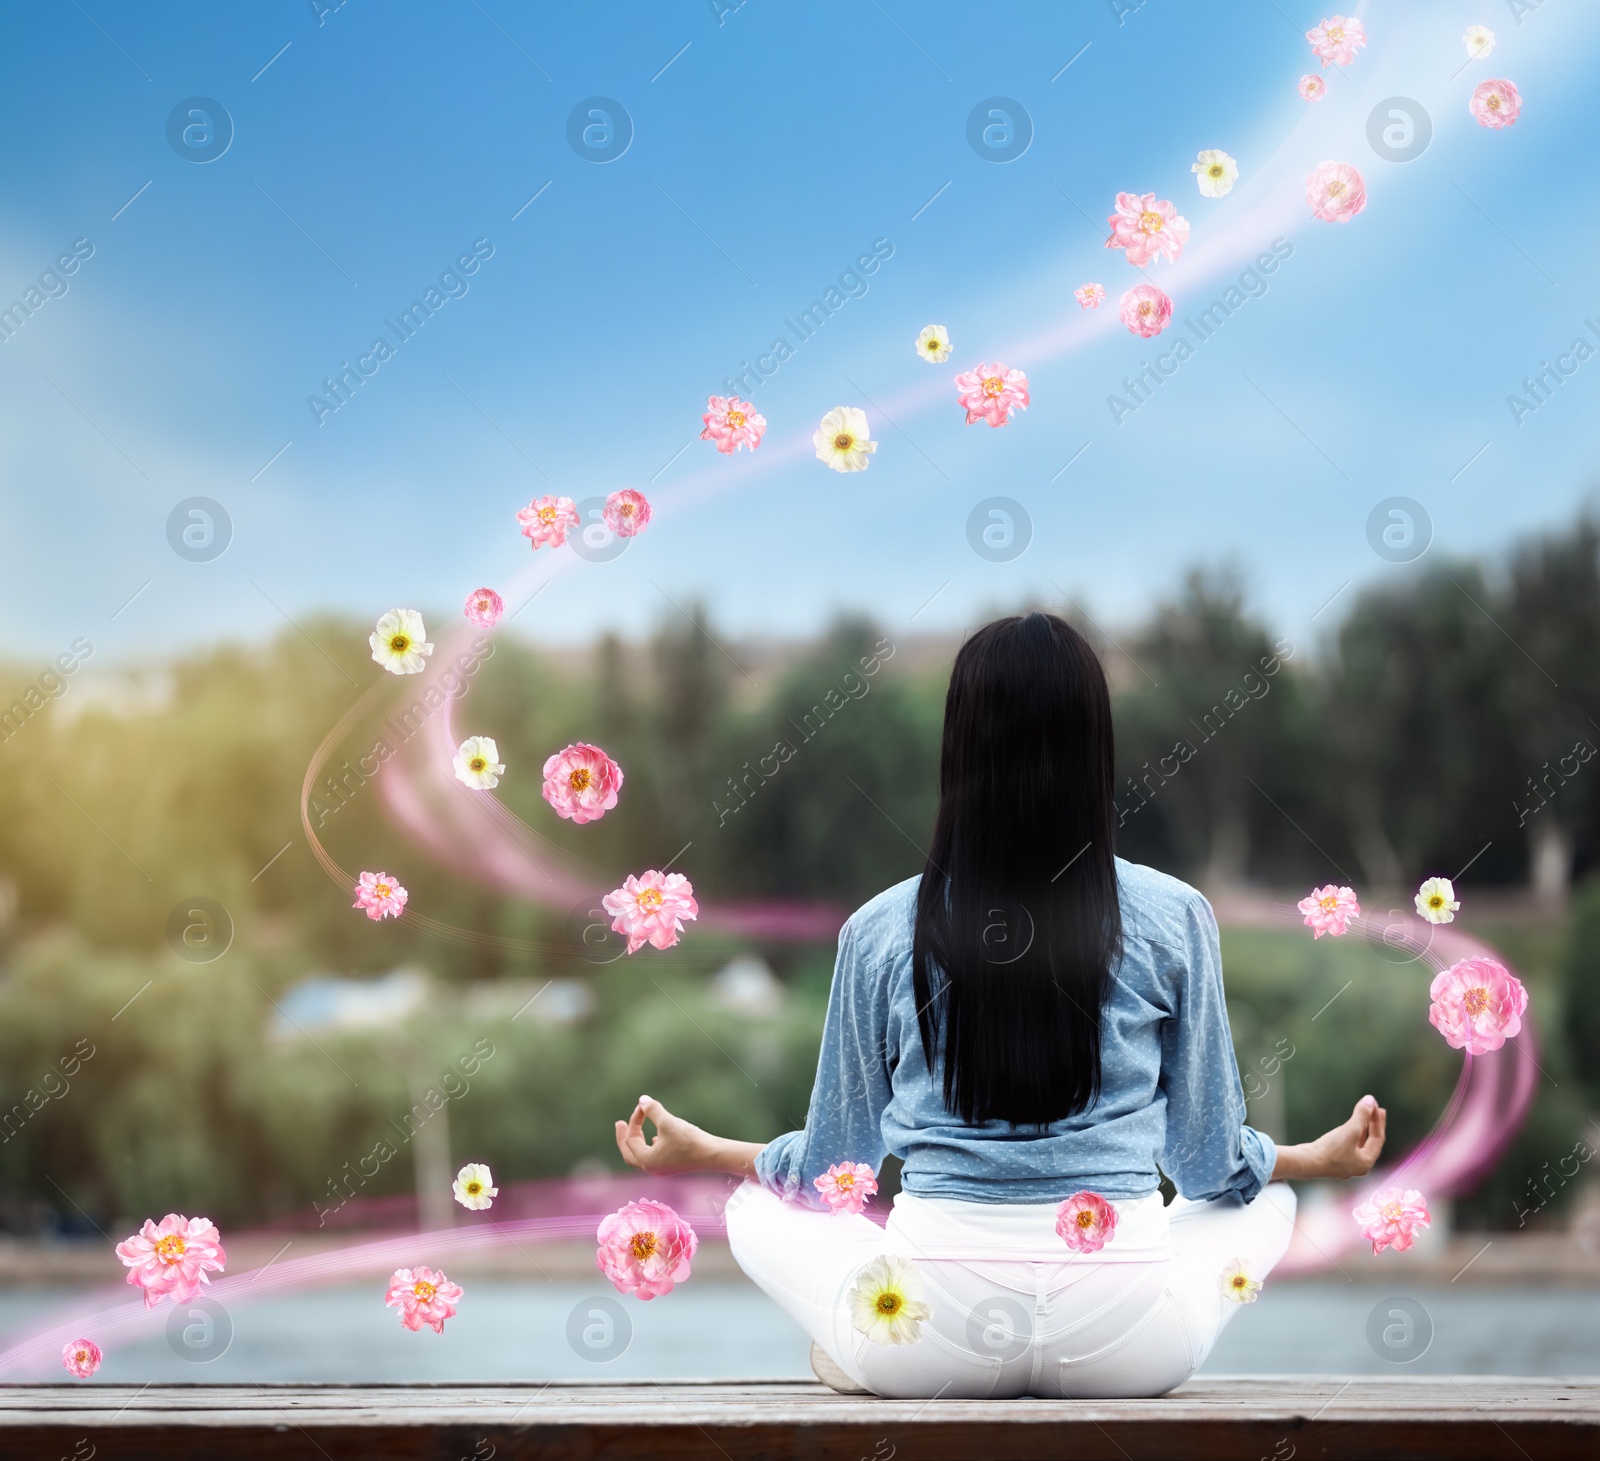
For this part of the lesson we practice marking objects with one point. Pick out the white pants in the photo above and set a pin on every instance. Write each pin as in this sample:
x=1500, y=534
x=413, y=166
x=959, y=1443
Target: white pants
x=1014, y=1312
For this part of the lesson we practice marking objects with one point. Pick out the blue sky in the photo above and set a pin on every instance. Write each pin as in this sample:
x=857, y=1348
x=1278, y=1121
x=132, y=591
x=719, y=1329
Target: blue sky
x=778, y=144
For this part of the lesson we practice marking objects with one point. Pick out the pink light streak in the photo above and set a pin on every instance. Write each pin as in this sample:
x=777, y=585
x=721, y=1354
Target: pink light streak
x=1490, y=1102
x=1488, y=1106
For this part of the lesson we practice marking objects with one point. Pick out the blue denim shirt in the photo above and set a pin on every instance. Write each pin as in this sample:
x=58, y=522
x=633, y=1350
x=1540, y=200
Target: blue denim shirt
x=1170, y=1090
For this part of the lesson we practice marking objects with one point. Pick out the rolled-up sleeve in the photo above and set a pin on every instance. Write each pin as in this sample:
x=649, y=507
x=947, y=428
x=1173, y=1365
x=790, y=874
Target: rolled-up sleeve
x=1209, y=1150
x=844, y=1121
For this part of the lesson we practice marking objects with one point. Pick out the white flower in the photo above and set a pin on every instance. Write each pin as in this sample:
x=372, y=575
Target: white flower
x=933, y=344
x=1217, y=172
x=478, y=763
x=475, y=1187
x=1238, y=1285
x=1480, y=41
x=1436, y=901
x=398, y=643
x=886, y=1302
x=841, y=439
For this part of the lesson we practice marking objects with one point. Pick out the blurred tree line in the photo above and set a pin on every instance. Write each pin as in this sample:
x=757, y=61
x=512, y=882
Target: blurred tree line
x=1443, y=726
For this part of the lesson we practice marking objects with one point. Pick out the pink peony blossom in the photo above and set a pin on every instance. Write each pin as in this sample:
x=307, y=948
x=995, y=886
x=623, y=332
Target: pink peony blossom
x=1336, y=192
x=1313, y=87
x=627, y=512
x=1495, y=103
x=1090, y=295
x=732, y=423
x=422, y=1297
x=1086, y=1222
x=174, y=1258
x=81, y=1357
x=582, y=783
x=546, y=520
x=1391, y=1217
x=485, y=606
x=1337, y=39
x=1477, y=1005
x=1147, y=229
x=1145, y=310
x=846, y=1186
x=991, y=393
x=649, y=909
x=645, y=1248
x=381, y=896
x=1330, y=909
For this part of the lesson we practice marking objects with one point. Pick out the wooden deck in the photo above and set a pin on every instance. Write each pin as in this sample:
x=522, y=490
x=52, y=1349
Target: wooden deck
x=1270, y=1417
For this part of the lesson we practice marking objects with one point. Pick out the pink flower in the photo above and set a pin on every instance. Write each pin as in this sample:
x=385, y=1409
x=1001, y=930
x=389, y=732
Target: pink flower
x=422, y=1297
x=991, y=393
x=1090, y=295
x=173, y=1258
x=732, y=423
x=1330, y=909
x=1147, y=229
x=485, y=606
x=1086, y=1222
x=1337, y=39
x=1391, y=1217
x=627, y=512
x=649, y=909
x=582, y=783
x=381, y=896
x=846, y=1186
x=81, y=1357
x=1336, y=192
x=1313, y=87
x=1495, y=103
x=1477, y=1005
x=645, y=1248
x=546, y=520
x=1145, y=310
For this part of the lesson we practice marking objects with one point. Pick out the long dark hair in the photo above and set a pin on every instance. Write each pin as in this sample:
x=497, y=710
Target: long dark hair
x=1018, y=923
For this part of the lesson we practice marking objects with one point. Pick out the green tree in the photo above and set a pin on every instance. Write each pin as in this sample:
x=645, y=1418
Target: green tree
x=1214, y=735
x=1422, y=729
x=1580, y=989
x=1552, y=692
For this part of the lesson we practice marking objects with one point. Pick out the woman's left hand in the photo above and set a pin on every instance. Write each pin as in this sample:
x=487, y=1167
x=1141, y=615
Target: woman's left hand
x=1351, y=1149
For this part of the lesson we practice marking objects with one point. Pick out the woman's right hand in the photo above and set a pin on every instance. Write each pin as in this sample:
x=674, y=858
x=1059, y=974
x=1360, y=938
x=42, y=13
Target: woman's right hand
x=680, y=1146
x=1351, y=1149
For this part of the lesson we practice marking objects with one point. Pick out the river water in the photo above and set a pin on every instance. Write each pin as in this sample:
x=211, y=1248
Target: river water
x=535, y=1331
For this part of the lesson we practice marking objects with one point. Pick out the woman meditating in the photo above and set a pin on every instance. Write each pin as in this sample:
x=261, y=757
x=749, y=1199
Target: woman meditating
x=1033, y=1027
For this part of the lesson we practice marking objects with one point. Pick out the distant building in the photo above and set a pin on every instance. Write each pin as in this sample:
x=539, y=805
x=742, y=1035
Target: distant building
x=541, y=1001
x=747, y=986
x=324, y=1002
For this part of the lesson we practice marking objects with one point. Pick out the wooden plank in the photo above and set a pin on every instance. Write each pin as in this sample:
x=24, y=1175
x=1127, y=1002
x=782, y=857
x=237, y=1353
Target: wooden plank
x=1256, y=1416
